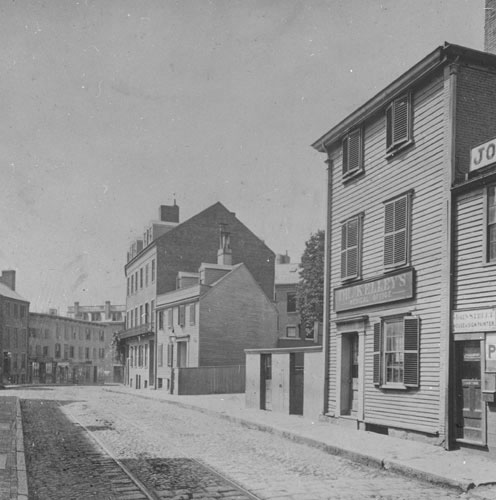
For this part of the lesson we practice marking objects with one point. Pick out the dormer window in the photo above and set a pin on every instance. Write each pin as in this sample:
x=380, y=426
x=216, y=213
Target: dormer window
x=353, y=153
x=399, y=123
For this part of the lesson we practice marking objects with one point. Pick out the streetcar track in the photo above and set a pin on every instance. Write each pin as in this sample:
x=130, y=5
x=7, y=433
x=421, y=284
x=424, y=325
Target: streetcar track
x=149, y=492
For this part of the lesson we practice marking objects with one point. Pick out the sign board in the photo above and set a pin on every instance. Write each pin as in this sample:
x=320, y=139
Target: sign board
x=379, y=291
x=491, y=352
x=474, y=320
x=483, y=155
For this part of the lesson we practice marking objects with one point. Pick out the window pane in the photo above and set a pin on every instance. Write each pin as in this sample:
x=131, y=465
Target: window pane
x=393, y=353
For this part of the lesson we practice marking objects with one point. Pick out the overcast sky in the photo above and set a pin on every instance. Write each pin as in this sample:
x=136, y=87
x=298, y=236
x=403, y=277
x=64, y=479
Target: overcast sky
x=111, y=108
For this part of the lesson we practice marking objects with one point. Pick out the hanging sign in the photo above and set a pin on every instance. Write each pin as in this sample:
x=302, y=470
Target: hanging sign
x=483, y=155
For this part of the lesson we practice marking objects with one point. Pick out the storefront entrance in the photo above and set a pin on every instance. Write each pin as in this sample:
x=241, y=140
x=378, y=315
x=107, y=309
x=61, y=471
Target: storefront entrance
x=470, y=414
x=349, y=374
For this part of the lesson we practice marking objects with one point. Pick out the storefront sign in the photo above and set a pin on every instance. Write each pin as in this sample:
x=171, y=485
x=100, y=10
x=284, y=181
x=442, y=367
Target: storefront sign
x=380, y=291
x=483, y=155
x=474, y=320
x=491, y=352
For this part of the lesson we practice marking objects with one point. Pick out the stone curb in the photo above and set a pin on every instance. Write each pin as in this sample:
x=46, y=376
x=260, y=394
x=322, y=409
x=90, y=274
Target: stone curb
x=22, y=478
x=352, y=455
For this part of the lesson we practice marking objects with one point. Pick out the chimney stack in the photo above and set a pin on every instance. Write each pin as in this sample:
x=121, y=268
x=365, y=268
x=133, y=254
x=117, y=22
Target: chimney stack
x=9, y=278
x=490, y=27
x=169, y=213
x=224, y=254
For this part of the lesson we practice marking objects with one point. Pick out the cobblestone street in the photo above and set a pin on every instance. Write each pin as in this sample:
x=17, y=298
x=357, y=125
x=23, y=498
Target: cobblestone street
x=177, y=452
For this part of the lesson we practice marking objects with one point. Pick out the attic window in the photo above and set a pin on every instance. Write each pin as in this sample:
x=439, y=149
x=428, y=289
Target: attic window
x=353, y=153
x=399, y=123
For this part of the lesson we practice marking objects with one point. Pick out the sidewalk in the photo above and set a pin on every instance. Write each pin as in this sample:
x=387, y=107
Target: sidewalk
x=13, y=478
x=460, y=469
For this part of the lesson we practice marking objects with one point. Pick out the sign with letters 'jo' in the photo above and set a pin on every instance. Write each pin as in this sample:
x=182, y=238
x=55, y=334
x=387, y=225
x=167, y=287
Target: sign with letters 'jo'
x=491, y=352
x=483, y=155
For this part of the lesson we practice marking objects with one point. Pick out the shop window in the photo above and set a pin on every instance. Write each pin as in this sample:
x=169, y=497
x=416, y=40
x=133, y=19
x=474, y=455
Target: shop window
x=396, y=352
x=353, y=154
x=399, y=123
x=351, y=248
x=397, y=231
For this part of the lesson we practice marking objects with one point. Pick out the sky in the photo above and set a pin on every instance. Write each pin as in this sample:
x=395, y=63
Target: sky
x=111, y=108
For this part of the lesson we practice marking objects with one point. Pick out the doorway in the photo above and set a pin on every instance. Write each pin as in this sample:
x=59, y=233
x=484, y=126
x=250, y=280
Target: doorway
x=470, y=414
x=182, y=354
x=349, y=374
x=266, y=382
x=296, y=373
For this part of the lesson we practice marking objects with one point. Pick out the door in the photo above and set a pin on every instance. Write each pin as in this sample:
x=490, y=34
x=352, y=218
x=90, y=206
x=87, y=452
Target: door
x=182, y=354
x=349, y=374
x=266, y=382
x=470, y=418
x=151, y=363
x=296, y=371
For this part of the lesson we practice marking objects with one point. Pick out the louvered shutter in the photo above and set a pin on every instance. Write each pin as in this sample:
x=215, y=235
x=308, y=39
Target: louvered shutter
x=400, y=228
x=389, y=234
x=345, y=156
x=170, y=318
x=411, y=351
x=352, y=152
x=352, y=249
x=377, y=353
x=344, y=239
x=389, y=126
x=401, y=120
x=182, y=314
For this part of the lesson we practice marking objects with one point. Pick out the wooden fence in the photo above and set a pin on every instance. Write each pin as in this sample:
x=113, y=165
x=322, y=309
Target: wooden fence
x=210, y=380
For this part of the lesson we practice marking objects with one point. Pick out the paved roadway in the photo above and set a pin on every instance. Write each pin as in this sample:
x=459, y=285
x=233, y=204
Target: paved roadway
x=175, y=451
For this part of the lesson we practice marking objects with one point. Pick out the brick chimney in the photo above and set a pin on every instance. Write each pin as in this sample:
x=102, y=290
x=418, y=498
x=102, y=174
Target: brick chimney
x=490, y=27
x=9, y=278
x=169, y=213
x=224, y=254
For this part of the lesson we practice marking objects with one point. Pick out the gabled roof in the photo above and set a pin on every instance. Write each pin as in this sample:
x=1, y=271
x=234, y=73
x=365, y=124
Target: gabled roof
x=169, y=235
x=5, y=291
x=439, y=57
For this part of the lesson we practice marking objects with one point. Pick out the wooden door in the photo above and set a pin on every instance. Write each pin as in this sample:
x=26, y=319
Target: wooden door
x=470, y=418
x=296, y=370
x=266, y=382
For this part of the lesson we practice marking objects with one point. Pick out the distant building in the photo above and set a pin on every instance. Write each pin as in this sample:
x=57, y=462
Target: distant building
x=169, y=247
x=14, y=318
x=205, y=325
x=64, y=350
x=106, y=313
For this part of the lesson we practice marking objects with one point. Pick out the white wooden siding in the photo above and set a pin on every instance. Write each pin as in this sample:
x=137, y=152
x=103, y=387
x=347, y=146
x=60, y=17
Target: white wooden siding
x=419, y=168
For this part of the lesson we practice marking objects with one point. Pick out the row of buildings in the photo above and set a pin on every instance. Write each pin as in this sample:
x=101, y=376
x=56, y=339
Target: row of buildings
x=48, y=348
x=410, y=302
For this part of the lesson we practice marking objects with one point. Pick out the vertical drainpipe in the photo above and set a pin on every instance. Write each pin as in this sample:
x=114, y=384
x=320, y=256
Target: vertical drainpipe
x=327, y=285
x=450, y=222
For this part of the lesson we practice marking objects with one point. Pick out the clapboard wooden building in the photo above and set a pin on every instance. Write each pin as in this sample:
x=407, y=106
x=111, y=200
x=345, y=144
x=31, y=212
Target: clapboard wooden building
x=402, y=249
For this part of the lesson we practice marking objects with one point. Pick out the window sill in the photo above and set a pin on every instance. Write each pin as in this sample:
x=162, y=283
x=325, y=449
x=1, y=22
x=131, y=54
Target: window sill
x=491, y=263
x=392, y=269
x=348, y=281
x=394, y=387
x=353, y=175
x=395, y=150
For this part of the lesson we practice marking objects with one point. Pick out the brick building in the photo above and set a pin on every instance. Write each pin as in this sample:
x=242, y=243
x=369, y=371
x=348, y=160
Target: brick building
x=65, y=350
x=104, y=313
x=394, y=242
x=14, y=320
x=169, y=247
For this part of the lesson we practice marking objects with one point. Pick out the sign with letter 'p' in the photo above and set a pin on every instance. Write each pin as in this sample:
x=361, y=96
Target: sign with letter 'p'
x=491, y=352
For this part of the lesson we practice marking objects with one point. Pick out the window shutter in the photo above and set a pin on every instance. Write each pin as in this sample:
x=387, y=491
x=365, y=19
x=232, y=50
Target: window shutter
x=352, y=152
x=345, y=155
x=412, y=341
x=377, y=353
x=349, y=249
x=182, y=314
x=169, y=354
x=401, y=119
x=400, y=227
x=389, y=126
x=170, y=319
x=389, y=235
x=343, y=251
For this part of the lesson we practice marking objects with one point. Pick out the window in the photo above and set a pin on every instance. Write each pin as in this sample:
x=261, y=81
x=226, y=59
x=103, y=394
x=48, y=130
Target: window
x=87, y=352
x=146, y=275
x=16, y=338
x=80, y=352
x=23, y=311
x=152, y=313
x=292, y=332
x=182, y=314
x=160, y=355
x=16, y=310
x=128, y=286
x=170, y=351
x=102, y=336
x=71, y=351
x=88, y=334
x=147, y=314
x=140, y=315
x=396, y=231
x=291, y=302
x=161, y=320
x=399, y=123
x=7, y=337
x=153, y=270
x=94, y=352
x=141, y=278
x=491, y=224
x=132, y=283
x=351, y=251
x=353, y=153
x=95, y=316
x=66, y=351
x=170, y=319
x=192, y=314
x=57, y=350
x=7, y=309
x=396, y=352
x=66, y=333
